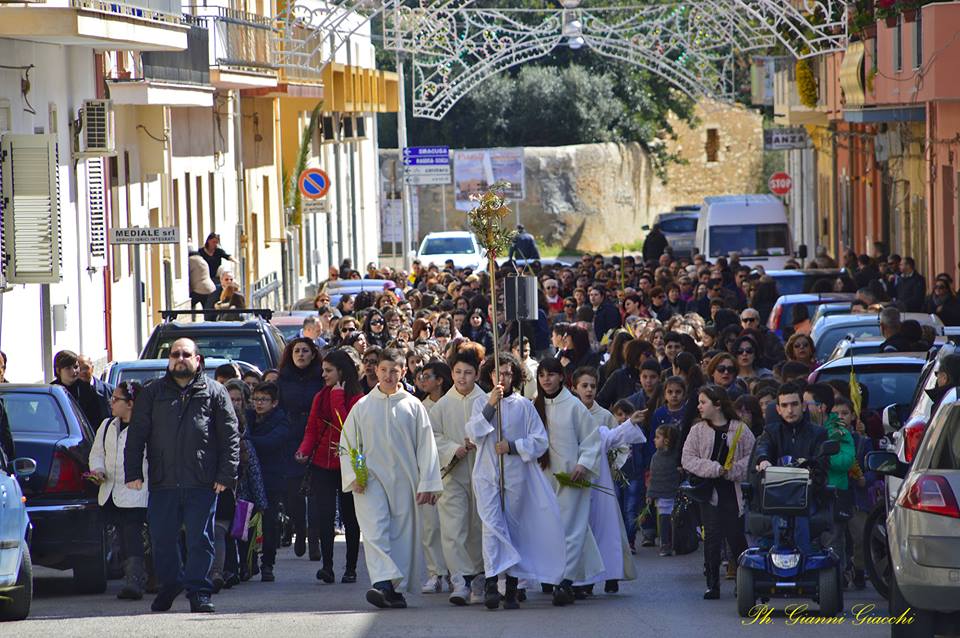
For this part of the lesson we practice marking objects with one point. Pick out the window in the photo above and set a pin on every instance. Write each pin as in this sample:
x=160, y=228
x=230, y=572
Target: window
x=33, y=413
x=188, y=200
x=751, y=240
x=678, y=225
x=448, y=246
x=918, y=40
x=237, y=347
x=712, y=147
x=946, y=456
x=898, y=45
x=887, y=384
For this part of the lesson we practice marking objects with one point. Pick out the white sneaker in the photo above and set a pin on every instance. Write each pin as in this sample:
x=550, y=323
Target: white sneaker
x=477, y=587
x=434, y=585
x=461, y=596
x=453, y=582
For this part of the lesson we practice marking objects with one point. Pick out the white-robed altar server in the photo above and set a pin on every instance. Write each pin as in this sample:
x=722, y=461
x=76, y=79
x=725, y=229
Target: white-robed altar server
x=526, y=538
x=606, y=520
x=575, y=450
x=392, y=429
x=460, y=527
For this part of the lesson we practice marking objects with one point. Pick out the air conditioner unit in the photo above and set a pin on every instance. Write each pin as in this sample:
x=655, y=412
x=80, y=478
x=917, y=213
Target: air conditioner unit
x=96, y=129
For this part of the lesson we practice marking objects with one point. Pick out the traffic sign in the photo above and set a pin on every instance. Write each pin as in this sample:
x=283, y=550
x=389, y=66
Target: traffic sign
x=427, y=180
x=785, y=139
x=426, y=165
x=314, y=183
x=131, y=236
x=780, y=183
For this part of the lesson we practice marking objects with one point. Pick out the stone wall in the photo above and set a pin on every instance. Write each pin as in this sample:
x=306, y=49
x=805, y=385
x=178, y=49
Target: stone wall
x=592, y=196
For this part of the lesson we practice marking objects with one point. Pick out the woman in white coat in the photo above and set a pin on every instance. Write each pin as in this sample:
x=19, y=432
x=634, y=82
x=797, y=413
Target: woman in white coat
x=124, y=508
x=575, y=450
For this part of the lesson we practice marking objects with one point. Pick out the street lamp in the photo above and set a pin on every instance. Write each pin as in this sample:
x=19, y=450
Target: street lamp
x=570, y=4
x=576, y=43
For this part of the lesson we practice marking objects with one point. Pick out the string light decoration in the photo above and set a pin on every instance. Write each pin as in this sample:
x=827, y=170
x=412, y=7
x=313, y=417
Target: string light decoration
x=455, y=46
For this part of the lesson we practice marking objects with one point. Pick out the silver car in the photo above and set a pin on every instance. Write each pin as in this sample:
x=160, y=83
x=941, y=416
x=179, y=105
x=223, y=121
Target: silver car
x=924, y=528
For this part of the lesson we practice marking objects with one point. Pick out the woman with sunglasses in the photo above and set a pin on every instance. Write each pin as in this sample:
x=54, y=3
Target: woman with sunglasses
x=943, y=302
x=375, y=327
x=124, y=508
x=800, y=348
x=722, y=371
x=745, y=350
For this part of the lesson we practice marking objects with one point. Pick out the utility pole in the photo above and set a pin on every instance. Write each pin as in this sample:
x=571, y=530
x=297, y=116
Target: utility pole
x=402, y=143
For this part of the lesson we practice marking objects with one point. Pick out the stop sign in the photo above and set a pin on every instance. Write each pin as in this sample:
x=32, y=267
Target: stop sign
x=780, y=183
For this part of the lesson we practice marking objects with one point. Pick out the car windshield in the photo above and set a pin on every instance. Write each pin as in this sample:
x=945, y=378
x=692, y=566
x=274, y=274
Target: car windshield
x=32, y=412
x=750, y=240
x=679, y=225
x=829, y=339
x=448, y=246
x=235, y=347
x=289, y=331
x=141, y=375
x=886, y=383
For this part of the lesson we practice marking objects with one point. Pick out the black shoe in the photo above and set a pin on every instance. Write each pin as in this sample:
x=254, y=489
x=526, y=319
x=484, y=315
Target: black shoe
x=510, y=597
x=200, y=603
x=712, y=593
x=230, y=581
x=377, y=598
x=349, y=576
x=218, y=583
x=611, y=587
x=266, y=574
x=164, y=600
x=579, y=593
x=396, y=600
x=326, y=575
x=563, y=594
x=299, y=545
x=648, y=542
x=491, y=596
x=547, y=589
x=244, y=574
x=522, y=595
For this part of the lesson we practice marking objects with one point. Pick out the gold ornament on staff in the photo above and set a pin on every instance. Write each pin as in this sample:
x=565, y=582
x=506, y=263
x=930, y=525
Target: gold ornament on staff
x=487, y=221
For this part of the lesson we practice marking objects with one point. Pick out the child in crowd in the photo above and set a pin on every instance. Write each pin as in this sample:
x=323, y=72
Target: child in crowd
x=606, y=520
x=664, y=481
x=632, y=492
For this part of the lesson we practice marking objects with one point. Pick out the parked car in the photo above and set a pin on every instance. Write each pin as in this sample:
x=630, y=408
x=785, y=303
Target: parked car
x=781, y=317
x=858, y=346
x=828, y=331
x=831, y=308
x=68, y=531
x=145, y=370
x=754, y=226
x=457, y=245
x=290, y=323
x=16, y=569
x=680, y=229
x=795, y=282
x=889, y=377
x=254, y=341
x=924, y=527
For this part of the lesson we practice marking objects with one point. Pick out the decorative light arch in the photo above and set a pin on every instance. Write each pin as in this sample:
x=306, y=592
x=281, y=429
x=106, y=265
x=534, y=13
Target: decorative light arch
x=455, y=46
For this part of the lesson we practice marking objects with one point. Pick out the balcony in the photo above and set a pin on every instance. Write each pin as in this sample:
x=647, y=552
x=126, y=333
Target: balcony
x=176, y=78
x=241, y=51
x=788, y=108
x=142, y=25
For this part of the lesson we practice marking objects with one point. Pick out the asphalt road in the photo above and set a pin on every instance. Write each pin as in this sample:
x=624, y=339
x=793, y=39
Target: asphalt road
x=664, y=601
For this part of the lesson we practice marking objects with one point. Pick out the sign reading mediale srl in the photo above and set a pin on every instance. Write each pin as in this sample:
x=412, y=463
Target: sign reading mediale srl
x=126, y=236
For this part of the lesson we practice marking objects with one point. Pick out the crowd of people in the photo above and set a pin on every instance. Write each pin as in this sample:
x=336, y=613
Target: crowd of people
x=549, y=466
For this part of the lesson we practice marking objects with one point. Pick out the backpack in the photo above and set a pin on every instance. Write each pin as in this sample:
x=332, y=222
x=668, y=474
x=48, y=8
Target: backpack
x=684, y=520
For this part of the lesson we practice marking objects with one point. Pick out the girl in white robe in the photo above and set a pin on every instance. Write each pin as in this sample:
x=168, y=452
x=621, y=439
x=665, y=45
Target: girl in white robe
x=526, y=538
x=606, y=520
x=394, y=431
x=575, y=450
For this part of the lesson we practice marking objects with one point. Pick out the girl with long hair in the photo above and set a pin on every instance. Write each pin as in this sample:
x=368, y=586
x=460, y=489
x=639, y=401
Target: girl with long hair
x=320, y=447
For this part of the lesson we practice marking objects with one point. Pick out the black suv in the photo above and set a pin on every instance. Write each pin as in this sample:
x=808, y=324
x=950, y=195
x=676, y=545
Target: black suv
x=255, y=340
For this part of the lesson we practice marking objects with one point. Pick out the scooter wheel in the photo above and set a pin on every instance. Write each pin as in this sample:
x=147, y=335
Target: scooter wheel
x=746, y=593
x=830, y=596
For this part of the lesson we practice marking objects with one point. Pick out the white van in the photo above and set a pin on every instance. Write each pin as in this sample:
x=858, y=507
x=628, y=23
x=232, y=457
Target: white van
x=755, y=226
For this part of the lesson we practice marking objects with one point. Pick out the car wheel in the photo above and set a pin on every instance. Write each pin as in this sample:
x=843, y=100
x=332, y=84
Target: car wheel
x=90, y=572
x=746, y=593
x=876, y=550
x=16, y=605
x=923, y=623
x=830, y=598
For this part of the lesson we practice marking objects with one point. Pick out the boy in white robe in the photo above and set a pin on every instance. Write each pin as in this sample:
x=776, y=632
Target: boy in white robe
x=392, y=430
x=575, y=450
x=461, y=530
x=606, y=521
x=437, y=571
x=525, y=539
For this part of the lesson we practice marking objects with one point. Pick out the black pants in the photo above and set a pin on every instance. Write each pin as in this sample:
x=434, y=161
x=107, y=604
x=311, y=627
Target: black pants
x=271, y=527
x=721, y=522
x=327, y=492
x=295, y=506
x=129, y=522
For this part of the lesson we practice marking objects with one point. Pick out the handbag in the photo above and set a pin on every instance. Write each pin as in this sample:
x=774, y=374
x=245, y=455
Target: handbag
x=698, y=488
x=241, y=519
x=306, y=488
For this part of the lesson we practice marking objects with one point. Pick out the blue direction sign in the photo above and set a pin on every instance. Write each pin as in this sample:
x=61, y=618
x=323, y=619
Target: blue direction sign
x=426, y=156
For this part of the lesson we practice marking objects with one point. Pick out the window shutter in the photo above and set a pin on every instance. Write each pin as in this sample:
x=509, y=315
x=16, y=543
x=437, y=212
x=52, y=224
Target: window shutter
x=31, y=209
x=97, y=205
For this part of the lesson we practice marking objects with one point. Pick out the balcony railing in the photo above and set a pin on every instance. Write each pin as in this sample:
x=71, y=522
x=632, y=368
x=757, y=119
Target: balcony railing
x=240, y=39
x=190, y=66
x=303, y=52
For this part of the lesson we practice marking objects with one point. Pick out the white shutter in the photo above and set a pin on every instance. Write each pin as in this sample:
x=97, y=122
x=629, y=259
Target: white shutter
x=97, y=205
x=31, y=208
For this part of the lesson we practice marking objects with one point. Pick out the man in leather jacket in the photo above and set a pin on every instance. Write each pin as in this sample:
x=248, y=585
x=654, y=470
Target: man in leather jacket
x=792, y=434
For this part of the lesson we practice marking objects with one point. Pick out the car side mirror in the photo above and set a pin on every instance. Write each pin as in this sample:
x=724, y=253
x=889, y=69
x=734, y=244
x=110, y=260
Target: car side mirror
x=24, y=467
x=891, y=418
x=829, y=448
x=886, y=463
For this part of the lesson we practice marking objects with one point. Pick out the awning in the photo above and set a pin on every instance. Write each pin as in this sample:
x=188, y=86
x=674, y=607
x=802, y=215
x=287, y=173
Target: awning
x=886, y=114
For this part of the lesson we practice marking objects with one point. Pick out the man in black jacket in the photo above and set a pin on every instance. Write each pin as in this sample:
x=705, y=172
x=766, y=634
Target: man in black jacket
x=606, y=317
x=524, y=245
x=187, y=423
x=654, y=244
x=789, y=437
x=912, y=287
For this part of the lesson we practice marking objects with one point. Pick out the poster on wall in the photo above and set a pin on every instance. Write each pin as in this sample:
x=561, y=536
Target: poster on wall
x=476, y=170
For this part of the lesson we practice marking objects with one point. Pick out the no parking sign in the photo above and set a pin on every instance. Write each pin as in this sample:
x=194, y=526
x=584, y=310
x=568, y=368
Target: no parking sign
x=314, y=183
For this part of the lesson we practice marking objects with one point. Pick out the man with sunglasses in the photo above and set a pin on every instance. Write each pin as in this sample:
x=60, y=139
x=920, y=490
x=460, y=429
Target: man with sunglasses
x=187, y=424
x=771, y=348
